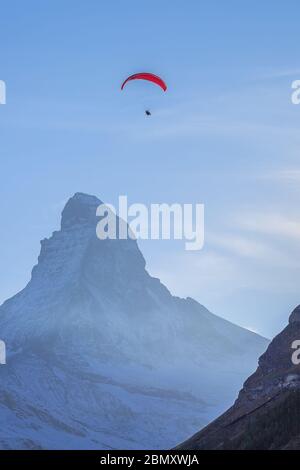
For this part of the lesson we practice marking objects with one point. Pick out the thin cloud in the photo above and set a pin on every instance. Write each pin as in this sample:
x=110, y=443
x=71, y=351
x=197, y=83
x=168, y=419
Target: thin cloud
x=271, y=224
x=281, y=73
x=252, y=249
x=284, y=175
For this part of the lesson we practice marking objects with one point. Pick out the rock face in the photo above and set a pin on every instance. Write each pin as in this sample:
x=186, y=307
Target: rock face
x=101, y=355
x=295, y=315
x=267, y=410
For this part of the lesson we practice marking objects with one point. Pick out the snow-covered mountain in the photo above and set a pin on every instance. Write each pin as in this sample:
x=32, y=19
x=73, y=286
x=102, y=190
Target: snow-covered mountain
x=101, y=355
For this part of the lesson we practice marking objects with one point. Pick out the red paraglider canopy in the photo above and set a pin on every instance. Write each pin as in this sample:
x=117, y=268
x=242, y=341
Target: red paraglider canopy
x=146, y=76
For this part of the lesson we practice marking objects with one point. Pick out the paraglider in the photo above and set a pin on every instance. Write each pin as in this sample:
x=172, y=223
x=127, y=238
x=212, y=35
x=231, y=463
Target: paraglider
x=150, y=77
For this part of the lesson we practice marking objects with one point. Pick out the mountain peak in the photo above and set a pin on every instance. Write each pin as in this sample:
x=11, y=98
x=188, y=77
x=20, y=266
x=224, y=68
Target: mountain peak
x=80, y=209
x=295, y=315
x=100, y=354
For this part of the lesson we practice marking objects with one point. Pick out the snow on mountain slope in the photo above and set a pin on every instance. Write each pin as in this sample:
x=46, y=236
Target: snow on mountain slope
x=101, y=355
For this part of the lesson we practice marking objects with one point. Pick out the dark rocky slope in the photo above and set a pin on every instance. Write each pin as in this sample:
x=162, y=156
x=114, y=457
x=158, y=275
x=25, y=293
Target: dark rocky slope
x=267, y=411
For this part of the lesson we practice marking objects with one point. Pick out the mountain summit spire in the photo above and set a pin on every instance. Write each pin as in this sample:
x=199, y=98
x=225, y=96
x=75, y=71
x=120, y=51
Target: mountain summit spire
x=80, y=209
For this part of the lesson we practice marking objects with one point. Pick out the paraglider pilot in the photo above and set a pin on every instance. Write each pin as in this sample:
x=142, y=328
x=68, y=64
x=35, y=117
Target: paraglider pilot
x=149, y=77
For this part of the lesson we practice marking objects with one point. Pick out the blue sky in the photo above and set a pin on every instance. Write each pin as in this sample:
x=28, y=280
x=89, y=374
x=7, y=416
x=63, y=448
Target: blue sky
x=225, y=134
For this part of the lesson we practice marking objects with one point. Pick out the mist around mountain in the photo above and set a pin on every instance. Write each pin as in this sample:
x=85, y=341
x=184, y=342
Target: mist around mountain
x=266, y=414
x=100, y=355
